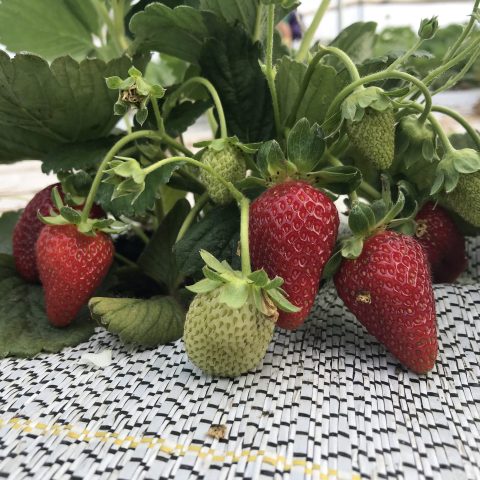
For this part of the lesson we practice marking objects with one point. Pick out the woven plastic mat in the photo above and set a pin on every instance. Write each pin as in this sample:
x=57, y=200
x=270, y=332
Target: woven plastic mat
x=328, y=402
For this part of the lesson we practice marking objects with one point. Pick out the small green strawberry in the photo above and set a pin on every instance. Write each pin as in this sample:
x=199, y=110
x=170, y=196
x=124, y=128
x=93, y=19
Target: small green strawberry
x=465, y=198
x=231, y=321
x=374, y=136
x=229, y=161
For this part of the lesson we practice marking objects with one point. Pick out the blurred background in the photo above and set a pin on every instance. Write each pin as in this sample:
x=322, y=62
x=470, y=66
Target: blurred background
x=398, y=23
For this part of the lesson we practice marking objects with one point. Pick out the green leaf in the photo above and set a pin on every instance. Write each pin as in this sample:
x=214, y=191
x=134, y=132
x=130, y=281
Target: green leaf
x=357, y=41
x=178, y=32
x=78, y=156
x=152, y=322
x=8, y=220
x=217, y=232
x=24, y=327
x=332, y=266
x=73, y=104
x=288, y=81
x=271, y=160
x=157, y=260
x=231, y=62
x=305, y=145
x=49, y=28
x=324, y=86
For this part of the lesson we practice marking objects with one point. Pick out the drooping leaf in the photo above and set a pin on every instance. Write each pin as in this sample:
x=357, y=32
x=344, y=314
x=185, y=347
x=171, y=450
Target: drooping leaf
x=24, y=327
x=157, y=260
x=8, y=221
x=43, y=107
x=50, y=28
x=231, y=62
x=151, y=322
x=217, y=233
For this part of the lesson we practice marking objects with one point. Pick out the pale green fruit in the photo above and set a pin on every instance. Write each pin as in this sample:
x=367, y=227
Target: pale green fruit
x=465, y=199
x=223, y=341
x=230, y=164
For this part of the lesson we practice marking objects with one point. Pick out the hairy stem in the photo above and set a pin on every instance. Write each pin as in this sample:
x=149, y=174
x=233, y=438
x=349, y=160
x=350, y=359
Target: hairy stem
x=192, y=215
x=213, y=93
x=310, y=33
x=405, y=56
x=269, y=71
x=258, y=23
x=108, y=157
x=244, y=240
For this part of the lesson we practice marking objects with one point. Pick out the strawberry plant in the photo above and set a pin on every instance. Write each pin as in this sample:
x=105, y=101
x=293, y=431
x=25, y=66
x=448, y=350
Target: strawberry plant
x=224, y=241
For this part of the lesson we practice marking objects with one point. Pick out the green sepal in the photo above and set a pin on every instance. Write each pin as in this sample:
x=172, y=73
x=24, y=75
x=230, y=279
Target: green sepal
x=57, y=198
x=305, y=145
x=332, y=266
x=361, y=219
x=340, y=180
x=238, y=288
x=352, y=247
x=454, y=163
x=272, y=163
x=71, y=215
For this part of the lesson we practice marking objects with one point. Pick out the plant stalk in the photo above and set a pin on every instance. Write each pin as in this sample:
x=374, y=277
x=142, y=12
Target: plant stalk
x=108, y=157
x=311, y=30
x=192, y=215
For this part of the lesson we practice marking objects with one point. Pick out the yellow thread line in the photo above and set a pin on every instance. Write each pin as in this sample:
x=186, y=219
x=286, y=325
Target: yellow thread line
x=28, y=426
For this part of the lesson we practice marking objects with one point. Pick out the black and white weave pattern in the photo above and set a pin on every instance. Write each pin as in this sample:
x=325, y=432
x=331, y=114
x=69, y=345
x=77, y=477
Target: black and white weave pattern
x=327, y=403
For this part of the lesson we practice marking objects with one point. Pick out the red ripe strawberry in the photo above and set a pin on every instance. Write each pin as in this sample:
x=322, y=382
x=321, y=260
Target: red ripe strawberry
x=443, y=242
x=293, y=229
x=388, y=288
x=71, y=267
x=28, y=229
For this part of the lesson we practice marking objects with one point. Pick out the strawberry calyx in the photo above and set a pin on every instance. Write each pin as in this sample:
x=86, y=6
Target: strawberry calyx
x=219, y=144
x=306, y=158
x=69, y=216
x=136, y=92
x=238, y=288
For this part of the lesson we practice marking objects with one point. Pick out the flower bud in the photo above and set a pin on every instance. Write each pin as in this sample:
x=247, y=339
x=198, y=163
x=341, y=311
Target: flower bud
x=428, y=28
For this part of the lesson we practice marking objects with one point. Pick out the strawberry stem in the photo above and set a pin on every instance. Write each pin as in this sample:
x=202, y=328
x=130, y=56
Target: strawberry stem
x=269, y=71
x=243, y=203
x=375, y=77
x=108, y=157
x=244, y=237
x=310, y=33
x=192, y=215
x=213, y=93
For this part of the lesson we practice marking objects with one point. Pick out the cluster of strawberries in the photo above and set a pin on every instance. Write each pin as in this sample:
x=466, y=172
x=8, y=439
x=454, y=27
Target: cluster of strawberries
x=293, y=231
x=69, y=264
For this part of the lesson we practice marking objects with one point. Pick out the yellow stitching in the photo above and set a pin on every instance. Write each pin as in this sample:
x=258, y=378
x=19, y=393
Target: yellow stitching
x=28, y=426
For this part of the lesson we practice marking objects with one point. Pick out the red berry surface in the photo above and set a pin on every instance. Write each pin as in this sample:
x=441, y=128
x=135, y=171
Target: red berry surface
x=71, y=267
x=443, y=242
x=28, y=229
x=293, y=229
x=388, y=288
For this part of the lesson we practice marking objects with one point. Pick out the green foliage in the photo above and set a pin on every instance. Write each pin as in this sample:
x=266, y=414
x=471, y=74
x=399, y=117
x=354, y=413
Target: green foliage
x=157, y=260
x=151, y=322
x=73, y=105
x=217, y=232
x=50, y=28
x=357, y=40
x=231, y=62
x=25, y=330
